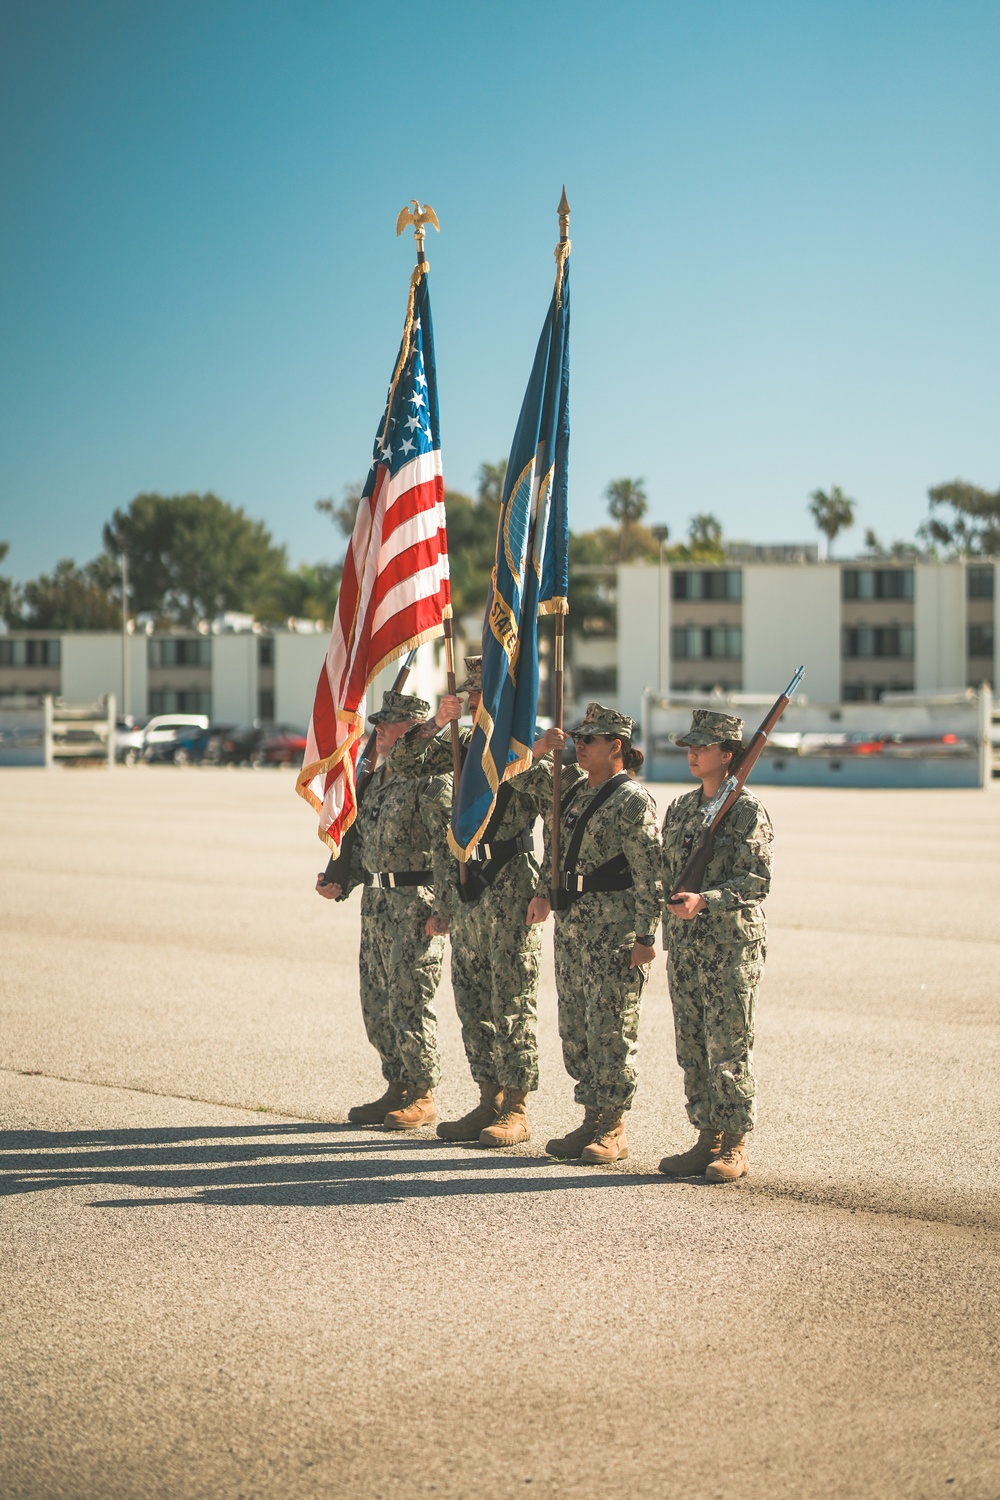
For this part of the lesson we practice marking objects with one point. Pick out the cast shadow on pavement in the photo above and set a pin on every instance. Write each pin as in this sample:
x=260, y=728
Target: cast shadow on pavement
x=247, y=1167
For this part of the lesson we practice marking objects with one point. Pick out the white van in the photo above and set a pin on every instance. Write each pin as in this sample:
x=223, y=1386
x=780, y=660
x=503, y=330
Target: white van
x=167, y=726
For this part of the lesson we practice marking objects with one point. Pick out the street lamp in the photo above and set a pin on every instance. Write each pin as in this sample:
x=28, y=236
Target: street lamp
x=660, y=533
x=125, y=674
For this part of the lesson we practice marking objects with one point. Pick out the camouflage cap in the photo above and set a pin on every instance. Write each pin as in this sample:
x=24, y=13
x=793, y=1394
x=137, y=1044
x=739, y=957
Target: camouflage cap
x=400, y=708
x=601, y=720
x=709, y=728
x=473, y=675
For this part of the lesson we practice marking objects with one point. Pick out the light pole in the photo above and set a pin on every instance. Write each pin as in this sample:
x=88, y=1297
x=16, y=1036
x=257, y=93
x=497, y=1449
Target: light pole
x=660, y=533
x=125, y=699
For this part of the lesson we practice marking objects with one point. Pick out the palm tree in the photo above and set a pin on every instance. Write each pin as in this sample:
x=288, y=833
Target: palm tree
x=627, y=504
x=832, y=513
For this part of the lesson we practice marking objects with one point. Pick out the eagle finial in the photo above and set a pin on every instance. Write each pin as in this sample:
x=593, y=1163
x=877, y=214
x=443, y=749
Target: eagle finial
x=419, y=218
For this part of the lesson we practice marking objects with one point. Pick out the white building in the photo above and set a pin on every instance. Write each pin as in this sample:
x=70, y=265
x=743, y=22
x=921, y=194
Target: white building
x=234, y=677
x=862, y=628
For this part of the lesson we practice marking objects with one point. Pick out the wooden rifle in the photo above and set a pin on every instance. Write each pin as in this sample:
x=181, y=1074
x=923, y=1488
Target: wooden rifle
x=338, y=870
x=691, y=876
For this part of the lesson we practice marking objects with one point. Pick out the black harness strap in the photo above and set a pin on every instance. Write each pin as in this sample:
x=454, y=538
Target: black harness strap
x=482, y=872
x=613, y=875
x=504, y=794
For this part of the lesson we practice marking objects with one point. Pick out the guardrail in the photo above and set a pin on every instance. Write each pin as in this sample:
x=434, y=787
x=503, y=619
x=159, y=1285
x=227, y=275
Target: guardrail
x=906, y=740
x=45, y=732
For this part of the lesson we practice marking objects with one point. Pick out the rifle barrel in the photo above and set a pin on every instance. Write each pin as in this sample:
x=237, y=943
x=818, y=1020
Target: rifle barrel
x=693, y=871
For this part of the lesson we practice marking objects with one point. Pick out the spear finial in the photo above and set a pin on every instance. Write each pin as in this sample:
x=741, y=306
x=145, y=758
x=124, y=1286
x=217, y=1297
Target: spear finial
x=563, y=217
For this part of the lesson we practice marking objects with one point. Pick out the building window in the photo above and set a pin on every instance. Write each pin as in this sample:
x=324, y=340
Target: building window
x=871, y=692
x=595, y=679
x=265, y=704
x=186, y=701
x=877, y=583
x=980, y=640
x=178, y=651
x=980, y=583
x=719, y=642
x=879, y=641
x=707, y=583
x=30, y=653
x=265, y=652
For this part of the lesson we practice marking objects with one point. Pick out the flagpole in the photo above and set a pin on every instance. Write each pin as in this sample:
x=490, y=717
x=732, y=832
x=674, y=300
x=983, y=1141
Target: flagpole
x=420, y=218
x=456, y=749
x=560, y=619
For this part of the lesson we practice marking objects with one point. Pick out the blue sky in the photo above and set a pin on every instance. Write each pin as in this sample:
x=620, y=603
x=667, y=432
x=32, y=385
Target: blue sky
x=786, y=226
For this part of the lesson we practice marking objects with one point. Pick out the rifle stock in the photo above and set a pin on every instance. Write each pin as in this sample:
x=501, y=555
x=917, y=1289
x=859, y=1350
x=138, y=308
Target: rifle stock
x=698, y=861
x=338, y=869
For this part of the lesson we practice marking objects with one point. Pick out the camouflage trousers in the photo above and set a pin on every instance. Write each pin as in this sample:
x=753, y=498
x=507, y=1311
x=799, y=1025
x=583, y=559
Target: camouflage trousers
x=714, y=994
x=494, y=973
x=400, y=968
x=599, y=996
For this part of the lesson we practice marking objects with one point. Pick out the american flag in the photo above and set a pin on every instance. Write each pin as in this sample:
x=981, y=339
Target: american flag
x=395, y=590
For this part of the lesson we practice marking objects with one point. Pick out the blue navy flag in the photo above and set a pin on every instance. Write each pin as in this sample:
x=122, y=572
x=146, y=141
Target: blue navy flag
x=530, y=578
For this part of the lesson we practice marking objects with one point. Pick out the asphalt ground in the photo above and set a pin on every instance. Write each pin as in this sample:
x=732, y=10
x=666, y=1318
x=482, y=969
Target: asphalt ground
x=212, y=1286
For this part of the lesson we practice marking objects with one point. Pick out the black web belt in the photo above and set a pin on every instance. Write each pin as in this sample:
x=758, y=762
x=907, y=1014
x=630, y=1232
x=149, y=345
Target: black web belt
x=615, y=875
x=391, y=880
x=501, y=852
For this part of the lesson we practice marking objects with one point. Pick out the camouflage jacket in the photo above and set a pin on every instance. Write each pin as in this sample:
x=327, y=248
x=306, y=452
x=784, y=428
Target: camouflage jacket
x=624, y=824
x=737, y=879
x=402, y=825
x=420, y=755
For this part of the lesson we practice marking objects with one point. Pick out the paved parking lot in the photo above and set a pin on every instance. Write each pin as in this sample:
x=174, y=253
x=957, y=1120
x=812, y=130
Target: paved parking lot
x=214, y=1287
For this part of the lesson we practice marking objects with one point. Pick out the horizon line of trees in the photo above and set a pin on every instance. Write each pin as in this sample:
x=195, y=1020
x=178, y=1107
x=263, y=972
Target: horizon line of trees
x=193, y=557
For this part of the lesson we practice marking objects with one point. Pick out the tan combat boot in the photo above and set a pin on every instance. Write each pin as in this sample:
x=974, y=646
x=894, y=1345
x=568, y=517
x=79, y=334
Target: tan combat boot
x=477, y=1119
x=375, y=1113
x=609, y=1143
x=732, y=1161
x=568, y=1147
x=417, y=1110
x=693, y=1163
x=511, y=1125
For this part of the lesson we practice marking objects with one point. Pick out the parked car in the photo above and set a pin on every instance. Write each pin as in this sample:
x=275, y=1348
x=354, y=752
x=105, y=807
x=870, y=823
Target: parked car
x=128, y=741
x=187, y=748
x=163, y=729
x=284, y=746
x=237, y=747
x=217, y=735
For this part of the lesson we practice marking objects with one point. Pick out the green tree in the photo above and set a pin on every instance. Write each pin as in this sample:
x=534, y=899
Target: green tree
x=472, y=540
x=593, y=608
x=310, y=593
x=10, y=596
x=343, y=512
x=705, y=533
x=193, y=556
x=72, y=598
x=489, y=483
x=627, y=504
x=973, y=527
x=832, y=512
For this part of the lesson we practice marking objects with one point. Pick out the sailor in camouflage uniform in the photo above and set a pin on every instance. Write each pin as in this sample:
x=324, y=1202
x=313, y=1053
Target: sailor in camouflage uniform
x=607, y=909
x=399, y=858
x=494, y=956
x=716, y=945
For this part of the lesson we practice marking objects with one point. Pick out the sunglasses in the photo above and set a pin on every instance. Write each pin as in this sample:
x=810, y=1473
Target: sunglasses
x=588, y=739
